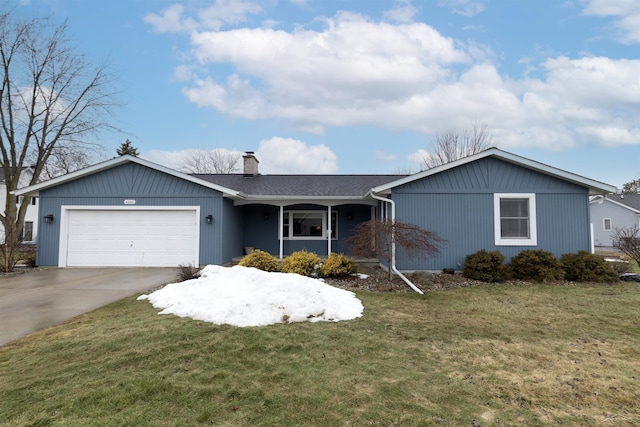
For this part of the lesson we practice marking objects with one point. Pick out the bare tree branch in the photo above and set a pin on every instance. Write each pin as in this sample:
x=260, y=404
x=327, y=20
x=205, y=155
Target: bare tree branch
x=453, y=145
x=627, y=241
x=217, y=160
x=375, y=239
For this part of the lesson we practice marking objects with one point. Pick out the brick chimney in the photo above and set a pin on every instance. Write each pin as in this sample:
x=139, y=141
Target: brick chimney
x=250, y=164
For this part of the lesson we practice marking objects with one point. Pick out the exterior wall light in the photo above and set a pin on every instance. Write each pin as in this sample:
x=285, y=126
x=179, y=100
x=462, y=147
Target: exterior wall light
x=48, y=218
x=209, y=219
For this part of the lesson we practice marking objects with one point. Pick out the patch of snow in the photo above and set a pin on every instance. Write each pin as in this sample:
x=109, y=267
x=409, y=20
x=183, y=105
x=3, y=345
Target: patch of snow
x=245, y=296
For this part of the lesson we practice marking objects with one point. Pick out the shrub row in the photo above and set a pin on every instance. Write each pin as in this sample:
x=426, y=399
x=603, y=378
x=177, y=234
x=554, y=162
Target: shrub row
x=303, y=263
x=538, y=266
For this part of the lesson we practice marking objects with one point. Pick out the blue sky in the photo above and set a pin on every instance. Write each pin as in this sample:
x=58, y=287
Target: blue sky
x=361, y=86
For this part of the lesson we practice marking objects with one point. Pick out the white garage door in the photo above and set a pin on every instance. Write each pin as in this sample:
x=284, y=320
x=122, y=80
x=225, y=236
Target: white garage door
x=148, y=238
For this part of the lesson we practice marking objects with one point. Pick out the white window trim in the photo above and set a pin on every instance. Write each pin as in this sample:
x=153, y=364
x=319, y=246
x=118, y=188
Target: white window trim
x=604, y=224
x=325, y=225
x=533, y=230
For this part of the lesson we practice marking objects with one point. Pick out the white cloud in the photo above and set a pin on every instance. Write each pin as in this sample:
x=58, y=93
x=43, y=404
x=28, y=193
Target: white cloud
x=223, y=12
x=403, y=12
x=418, y=157
x=170, y=21
x=290, y=156
x=339, y=76
x=170, y=159
x=626, y=14
x=213, y=17
x=464, y=7
x=354, y=71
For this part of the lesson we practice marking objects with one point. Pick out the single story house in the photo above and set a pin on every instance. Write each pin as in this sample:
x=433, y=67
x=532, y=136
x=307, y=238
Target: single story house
x=613, y=211
x=131, y=212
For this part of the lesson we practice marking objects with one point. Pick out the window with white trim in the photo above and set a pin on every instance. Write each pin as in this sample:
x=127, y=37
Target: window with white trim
x=27, y=231
x=606, y=224
x=515, y=219
x=308, y=225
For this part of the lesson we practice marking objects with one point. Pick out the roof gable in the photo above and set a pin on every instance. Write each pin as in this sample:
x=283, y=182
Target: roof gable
x=627, y=201
x=595, y=187
x=114, y=163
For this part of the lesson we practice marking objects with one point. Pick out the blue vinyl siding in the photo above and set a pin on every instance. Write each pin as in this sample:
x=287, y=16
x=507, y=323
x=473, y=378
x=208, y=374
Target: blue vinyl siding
x=458, y=205
x=147, y=187
x=232, y=232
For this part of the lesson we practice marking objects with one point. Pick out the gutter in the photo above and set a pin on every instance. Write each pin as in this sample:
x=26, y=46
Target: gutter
x=393, y=243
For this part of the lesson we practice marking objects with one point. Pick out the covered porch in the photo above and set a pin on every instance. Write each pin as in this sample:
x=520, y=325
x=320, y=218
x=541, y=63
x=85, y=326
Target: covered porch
x=285, y=228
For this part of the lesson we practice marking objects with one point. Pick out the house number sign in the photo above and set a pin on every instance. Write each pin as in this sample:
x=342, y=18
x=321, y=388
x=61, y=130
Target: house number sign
x=129, y=202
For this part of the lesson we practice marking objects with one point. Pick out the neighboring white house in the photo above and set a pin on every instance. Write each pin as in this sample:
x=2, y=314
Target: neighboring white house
x=610, y=212
x=30, y=226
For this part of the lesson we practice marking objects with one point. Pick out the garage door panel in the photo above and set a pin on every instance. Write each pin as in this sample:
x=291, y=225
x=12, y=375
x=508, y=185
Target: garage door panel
x=157, y=238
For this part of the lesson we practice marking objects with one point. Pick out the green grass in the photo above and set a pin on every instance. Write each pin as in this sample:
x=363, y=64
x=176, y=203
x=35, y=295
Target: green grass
x=498, y=354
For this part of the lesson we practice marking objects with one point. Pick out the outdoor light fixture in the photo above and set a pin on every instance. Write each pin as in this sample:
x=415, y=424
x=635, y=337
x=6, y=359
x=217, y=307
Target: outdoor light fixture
x=48, y=218
x=209, y=219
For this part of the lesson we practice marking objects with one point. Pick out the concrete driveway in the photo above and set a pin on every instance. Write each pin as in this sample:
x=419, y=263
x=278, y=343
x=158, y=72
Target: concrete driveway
x=39, y=299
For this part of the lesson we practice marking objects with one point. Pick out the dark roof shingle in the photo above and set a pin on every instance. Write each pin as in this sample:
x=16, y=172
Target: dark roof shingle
x=300, y=185
x=631, y=200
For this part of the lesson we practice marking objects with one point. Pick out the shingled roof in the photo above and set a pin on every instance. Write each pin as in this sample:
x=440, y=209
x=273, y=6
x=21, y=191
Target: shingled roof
x=300, y=185
x=631, y=200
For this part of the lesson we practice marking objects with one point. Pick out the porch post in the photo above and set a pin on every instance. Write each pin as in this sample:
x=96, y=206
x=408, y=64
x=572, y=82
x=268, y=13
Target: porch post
x=329, y=230
x=280, y=227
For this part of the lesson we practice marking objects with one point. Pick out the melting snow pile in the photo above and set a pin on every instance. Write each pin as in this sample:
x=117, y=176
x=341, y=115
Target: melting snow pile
x=244, y=296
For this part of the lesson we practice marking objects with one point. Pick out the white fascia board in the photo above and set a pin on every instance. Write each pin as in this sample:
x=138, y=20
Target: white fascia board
x=117, y=161
x=294, y=200
x=595, y=187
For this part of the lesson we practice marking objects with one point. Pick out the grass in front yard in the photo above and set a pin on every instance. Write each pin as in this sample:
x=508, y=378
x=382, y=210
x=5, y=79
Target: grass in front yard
x=497, y=354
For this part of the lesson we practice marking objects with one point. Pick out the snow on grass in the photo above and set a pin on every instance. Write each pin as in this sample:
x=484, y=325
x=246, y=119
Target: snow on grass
x=244, y=296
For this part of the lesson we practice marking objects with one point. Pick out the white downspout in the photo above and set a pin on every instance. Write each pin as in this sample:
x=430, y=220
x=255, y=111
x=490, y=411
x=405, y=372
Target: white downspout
x=393, y=243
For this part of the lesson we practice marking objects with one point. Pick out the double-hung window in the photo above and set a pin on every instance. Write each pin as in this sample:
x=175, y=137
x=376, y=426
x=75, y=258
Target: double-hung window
x=606, y=224
x=515, y=219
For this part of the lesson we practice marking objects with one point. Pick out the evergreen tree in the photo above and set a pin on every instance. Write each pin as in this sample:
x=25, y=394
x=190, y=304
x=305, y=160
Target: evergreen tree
x=127, y=148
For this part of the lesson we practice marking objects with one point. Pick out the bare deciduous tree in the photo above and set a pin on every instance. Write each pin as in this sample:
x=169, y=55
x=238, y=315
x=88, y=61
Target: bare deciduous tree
x=212, y=161
x=376, y=238
x=627, y=241
x=64, y=160
x=453, y=145
x=50, y=98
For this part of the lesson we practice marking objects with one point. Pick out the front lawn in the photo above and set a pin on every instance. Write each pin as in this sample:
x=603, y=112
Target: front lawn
x=497, y=354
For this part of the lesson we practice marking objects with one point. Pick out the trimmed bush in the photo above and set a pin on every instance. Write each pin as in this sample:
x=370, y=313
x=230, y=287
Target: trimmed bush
x=486, y=266
x=536, y=265
x=261, y=260
x=587, y=267
x=337, y=265
x=187, y=272
x=301, y=262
